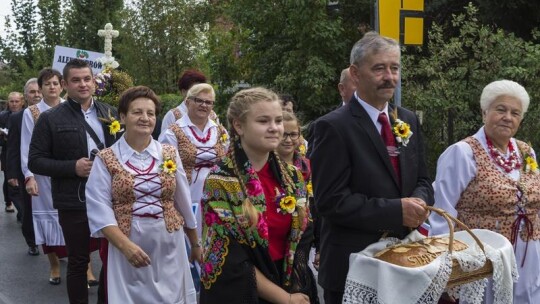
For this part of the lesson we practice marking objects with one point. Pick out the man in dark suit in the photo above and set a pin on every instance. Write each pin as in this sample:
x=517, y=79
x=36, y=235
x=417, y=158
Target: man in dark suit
x=15, y=104
x=14, y=174
x=365, y=185
x=346, y=86
x=61, y=146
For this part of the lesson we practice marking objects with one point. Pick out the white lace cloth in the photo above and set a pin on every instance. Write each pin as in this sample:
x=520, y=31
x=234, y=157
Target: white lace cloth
x=373, y=281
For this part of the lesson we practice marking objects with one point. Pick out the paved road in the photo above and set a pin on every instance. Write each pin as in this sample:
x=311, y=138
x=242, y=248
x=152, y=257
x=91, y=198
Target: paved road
x=24, y=278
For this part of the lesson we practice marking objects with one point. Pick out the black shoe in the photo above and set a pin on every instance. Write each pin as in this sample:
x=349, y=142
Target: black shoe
x=55, y=281
x=33, y=250
x=92, y=283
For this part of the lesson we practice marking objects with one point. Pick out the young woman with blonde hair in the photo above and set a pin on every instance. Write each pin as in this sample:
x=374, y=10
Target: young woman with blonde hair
x=254, y=210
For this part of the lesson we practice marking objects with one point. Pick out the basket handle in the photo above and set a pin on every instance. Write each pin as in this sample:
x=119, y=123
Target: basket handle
x=449, y=219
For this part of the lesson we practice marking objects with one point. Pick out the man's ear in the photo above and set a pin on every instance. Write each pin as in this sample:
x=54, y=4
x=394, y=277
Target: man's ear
x=353, y=70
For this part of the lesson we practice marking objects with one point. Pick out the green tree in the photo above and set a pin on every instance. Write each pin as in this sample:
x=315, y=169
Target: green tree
x=294, y=47
x=18, y=46
x=156, y=47
x=49, y=29
x=85, y=17
x=50, y=26
x=447, y=80
x=501, y=14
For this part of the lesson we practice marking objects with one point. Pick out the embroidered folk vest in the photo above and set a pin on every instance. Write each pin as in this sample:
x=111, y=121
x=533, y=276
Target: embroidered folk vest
x=34, y=110
x=123, y=183
x=489, y=201
x=188, y=150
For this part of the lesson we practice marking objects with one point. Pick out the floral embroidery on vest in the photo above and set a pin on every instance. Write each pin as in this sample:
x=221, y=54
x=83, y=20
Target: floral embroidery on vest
x=123, y=195
x=489, y=201
x=34, y=110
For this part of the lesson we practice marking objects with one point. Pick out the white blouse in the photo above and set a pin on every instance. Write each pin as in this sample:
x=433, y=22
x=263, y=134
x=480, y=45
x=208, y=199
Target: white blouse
x=456, y=168
x=169, y=117
x=27, y=128
x=99, y=187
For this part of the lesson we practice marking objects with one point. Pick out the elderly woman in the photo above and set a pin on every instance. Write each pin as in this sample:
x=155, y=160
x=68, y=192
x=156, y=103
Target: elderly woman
x=201, y=142
x=188, y=79
x=138, y=198
x=490, y=181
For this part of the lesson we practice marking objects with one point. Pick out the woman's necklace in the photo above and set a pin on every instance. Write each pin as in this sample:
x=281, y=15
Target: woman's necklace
x=142, y=171
x=507, y=164
x=200, y=139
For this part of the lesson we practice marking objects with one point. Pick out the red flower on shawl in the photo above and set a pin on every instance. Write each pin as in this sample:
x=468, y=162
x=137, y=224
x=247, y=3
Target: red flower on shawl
x=254, y=187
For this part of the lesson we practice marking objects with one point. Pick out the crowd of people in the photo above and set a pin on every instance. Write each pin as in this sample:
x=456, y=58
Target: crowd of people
x=187, y=210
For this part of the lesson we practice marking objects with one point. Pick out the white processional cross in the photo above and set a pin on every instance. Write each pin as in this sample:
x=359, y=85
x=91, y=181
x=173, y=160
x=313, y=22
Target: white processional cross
x=109, y=34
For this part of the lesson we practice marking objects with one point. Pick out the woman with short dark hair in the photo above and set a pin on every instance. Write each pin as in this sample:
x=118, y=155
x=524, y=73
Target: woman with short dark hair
x=138, y=198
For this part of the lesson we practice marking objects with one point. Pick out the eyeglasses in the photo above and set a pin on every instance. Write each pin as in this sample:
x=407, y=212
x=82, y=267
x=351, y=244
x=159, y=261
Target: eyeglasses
x=292, y=135
x=200, y=102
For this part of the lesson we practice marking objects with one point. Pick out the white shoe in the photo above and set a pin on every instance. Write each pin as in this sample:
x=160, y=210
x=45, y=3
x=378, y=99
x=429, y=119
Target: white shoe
x=10, y=208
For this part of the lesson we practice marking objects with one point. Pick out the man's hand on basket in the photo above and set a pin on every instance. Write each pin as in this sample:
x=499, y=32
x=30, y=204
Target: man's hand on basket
x=414, y=213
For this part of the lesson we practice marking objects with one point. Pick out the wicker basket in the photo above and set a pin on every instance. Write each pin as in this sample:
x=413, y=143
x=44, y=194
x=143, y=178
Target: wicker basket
x=458, y=276
x=406, y=255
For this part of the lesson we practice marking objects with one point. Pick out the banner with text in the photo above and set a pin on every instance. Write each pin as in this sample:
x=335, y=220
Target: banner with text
x=63, y=55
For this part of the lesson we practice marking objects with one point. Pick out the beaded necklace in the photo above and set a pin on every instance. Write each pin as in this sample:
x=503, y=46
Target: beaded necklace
x=142, y=171
x=200, y=139
x=507, y=164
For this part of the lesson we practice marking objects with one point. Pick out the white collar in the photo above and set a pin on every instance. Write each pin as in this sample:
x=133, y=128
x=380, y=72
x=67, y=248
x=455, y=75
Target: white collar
x=126, y=152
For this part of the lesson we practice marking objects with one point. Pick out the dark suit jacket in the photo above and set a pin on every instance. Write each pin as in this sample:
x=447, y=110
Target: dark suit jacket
x=4, y=123
x=356, y=188
x=13, y=151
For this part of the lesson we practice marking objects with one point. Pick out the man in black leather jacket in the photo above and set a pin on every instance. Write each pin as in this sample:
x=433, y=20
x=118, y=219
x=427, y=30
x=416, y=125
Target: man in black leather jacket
x=60, y=148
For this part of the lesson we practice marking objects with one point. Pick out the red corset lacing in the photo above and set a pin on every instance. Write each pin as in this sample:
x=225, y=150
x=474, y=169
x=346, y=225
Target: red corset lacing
x=203, y=163
x=141, y=177
x=516, y=225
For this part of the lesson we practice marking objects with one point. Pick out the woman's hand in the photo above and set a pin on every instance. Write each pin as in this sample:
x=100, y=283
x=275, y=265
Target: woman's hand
x=31, y=186
x=316, y=261
x=135, y=255
x=196, y=254
x=298, y=298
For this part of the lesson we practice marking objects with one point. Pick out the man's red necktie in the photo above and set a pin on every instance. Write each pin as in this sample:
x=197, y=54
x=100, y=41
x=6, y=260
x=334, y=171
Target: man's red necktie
x=390, y=142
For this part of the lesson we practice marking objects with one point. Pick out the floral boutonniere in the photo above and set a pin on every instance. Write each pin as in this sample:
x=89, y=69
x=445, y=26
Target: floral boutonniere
x=309, y=189
x=168, y=166
x=224, y=138
x=302, y=147
x=286, y=203
x=530, y=164
x=401, y=129
x=113, y=123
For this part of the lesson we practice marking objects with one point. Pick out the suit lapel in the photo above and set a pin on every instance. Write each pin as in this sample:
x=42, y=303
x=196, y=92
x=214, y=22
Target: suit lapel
x=362, y=117
x=405, y=165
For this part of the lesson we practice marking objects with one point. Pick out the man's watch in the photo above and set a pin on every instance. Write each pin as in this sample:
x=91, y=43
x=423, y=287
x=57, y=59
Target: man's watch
x=197, y=245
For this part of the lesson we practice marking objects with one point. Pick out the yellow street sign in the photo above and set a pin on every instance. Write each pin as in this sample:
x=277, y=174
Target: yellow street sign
x=402, y=20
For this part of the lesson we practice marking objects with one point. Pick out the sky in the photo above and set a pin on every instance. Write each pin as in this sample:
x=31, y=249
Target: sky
x=5, y=9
